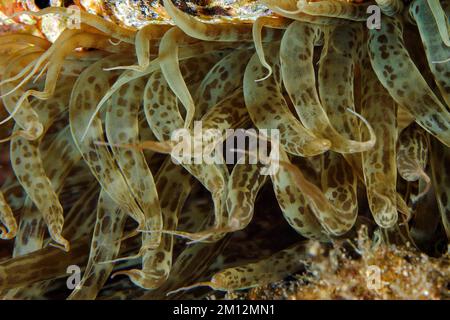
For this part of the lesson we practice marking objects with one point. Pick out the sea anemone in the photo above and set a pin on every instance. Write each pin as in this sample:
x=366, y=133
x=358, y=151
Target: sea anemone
x=357, y=90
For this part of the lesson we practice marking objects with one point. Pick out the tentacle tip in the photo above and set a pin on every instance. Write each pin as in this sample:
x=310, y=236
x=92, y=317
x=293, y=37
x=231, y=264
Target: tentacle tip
x=441, y=61
x=135, y=68
x=6, y=120
x=317, y=147
x=128, y=273
x=139, y=278
x=266, y=77
x=62, y=245
x=66, y=245
x=110, y=40
x=193, y=286
x=387, y=218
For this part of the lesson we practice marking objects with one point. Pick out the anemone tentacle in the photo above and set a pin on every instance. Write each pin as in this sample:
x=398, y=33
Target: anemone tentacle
x=257, y=130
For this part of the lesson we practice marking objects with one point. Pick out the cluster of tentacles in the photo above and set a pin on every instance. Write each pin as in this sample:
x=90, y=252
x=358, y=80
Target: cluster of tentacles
x=364, y=140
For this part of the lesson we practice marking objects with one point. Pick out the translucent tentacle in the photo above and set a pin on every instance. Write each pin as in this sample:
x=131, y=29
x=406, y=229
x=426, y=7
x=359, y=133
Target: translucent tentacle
x=268, y=109
x=390, y=7
x=174, y=186
x=221, y=80
x=294, y=204
x=441, y=20
x=130, y=75
x=168, y=59
x=144, y=36
x=92, y=84
x=391, y=61
x=271, y=269
x=333, y=220
x=257, y=29
x=296, y=55
x=122, y=127
x=412, y=157
x=435, y=49
x=105, y=245
x=25, y=117
x=289, y=9
x=379, y=163
x=79, y=40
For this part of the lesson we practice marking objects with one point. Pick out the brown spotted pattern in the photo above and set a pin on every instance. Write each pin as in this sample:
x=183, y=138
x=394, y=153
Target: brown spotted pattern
x=379, y=163
x=84, y=99
x=390, y=7
x=124, y=113
x=296, y=56
x=9, y=227
x=294, y=205
x=436, y=50
x=412, y=156
x=359, y=113
x=25, y=117
x=265, y=271
x=105, y=246
x=398, y=74
x=268, y=108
